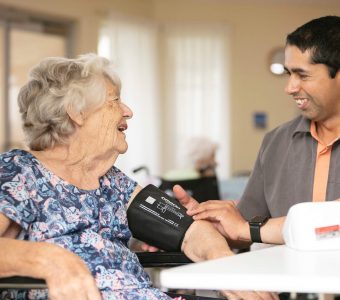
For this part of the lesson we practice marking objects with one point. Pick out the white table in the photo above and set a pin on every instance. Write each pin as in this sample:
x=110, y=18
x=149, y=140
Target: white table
x=278, y=269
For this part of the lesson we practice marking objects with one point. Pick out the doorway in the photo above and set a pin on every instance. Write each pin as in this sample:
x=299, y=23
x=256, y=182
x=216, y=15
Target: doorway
x=26, y=39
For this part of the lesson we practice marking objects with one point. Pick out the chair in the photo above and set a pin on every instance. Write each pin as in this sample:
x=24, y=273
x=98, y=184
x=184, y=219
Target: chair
x=147, y=259
x=202, y=189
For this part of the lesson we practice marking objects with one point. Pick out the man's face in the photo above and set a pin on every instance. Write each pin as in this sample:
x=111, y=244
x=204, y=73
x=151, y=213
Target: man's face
x=316, y=94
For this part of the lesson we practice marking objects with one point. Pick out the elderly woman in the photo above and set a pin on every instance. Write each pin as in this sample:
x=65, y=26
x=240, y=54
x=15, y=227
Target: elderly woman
x=63, y=202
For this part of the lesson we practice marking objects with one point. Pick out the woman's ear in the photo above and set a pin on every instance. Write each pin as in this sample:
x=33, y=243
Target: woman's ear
x=76, y=116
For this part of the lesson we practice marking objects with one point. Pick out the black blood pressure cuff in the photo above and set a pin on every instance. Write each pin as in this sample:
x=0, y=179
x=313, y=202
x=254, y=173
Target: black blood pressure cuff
x=158, y=219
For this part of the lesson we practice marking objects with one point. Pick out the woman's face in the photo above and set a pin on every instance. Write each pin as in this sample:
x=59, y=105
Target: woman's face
x=107, y=123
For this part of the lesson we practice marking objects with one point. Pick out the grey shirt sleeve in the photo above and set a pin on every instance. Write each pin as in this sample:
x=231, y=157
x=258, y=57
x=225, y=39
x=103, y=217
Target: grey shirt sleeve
x=253, y=201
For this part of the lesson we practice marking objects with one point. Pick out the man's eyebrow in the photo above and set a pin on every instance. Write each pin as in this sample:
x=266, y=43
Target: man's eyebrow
x=295, y=70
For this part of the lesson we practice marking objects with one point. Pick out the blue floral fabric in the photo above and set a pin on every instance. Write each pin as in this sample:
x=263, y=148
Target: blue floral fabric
x=92, y=224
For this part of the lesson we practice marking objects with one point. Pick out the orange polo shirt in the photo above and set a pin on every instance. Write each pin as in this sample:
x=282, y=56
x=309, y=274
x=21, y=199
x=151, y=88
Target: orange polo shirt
x=323, y=158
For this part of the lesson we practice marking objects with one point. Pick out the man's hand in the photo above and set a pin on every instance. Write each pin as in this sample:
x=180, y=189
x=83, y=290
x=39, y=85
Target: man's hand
x=67, y=276
x=225, y=217
x=184, y=198
x=245, y=295
x=223, y=214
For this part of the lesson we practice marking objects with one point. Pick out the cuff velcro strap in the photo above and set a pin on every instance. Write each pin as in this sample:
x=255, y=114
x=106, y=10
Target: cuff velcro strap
x=158, y=219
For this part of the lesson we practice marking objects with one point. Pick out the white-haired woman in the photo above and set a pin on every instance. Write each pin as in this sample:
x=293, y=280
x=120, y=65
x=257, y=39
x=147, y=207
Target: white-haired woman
x=63, y=202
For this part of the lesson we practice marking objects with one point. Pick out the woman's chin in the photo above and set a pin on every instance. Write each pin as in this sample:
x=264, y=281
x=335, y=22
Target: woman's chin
x=123, y=149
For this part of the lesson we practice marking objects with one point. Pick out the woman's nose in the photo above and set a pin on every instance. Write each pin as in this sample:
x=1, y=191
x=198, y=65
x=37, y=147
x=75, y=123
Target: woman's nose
x=127, y=111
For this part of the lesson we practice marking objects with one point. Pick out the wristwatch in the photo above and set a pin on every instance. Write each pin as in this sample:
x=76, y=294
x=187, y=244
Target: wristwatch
x=255, y=225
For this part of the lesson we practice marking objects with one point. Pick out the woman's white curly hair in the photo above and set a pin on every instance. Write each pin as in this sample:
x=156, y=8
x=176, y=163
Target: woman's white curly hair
x=55, y=85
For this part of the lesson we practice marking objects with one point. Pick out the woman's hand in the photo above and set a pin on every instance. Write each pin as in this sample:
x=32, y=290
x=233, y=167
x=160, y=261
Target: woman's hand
x=67, y=276
x=139, y=246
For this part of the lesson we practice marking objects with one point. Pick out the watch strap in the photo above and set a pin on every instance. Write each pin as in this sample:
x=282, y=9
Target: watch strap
x=255, y=233
x=255, y=225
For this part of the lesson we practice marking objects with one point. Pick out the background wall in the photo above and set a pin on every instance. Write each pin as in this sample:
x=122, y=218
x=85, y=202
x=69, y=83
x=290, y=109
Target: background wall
x=256, y=28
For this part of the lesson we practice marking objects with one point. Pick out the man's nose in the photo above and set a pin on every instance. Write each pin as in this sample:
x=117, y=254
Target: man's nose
x=292, y=86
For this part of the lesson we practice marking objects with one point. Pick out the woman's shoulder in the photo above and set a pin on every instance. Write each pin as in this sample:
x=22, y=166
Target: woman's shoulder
x=118, y=179
x=16, y=158
x=116, y=173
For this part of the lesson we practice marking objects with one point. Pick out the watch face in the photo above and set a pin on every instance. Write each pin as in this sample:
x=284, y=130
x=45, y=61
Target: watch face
x=258, y=220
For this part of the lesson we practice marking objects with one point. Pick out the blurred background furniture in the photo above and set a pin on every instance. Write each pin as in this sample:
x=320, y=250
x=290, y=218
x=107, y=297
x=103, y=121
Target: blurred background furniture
x=202, y=189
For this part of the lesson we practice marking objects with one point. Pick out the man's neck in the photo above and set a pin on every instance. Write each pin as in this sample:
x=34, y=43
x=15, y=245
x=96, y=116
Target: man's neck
x=328, y=132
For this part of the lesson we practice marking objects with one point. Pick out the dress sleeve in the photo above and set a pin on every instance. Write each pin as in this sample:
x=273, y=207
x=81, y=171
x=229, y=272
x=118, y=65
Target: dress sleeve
x=15, y=200
x=123, y=183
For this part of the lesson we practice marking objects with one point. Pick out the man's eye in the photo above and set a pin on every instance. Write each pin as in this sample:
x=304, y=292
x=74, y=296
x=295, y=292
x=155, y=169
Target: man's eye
x=303, y=76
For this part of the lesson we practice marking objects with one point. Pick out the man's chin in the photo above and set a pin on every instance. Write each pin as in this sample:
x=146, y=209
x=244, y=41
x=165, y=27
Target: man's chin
x=309, y=115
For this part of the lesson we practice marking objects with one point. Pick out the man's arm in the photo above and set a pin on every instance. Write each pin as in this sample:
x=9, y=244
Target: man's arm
x=271, y=232
x=226, y=218
x=230, y=223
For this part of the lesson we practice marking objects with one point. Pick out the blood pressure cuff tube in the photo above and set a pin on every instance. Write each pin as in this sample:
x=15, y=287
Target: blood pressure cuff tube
x=158, y=219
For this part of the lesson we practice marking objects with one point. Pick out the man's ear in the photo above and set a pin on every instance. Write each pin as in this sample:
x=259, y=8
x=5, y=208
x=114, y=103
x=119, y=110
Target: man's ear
x=76, y=116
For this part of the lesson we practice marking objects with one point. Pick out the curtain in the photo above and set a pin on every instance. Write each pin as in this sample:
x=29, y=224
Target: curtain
x=175, y=79
x=132, y=46
x=197, y=89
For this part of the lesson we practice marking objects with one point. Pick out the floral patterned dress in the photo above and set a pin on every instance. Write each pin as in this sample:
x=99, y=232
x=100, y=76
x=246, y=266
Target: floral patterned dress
x=91, y=224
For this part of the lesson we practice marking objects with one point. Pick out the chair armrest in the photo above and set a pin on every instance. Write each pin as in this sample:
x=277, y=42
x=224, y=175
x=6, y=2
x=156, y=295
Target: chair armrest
x=162, y=259
x=147, y=259
x=21, y=282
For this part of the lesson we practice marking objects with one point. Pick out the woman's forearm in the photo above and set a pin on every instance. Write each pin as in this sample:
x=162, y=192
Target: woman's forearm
x=203, y=242
x=23, y=258
x=66, y=274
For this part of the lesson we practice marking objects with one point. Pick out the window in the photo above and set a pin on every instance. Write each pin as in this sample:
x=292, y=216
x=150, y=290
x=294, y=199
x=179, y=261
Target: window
x=196, y=85
x=132, y=46
x=175, y=79
x=20, y=33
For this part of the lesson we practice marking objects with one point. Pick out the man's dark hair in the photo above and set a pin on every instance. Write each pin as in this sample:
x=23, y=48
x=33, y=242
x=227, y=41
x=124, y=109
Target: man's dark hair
x=322, y=37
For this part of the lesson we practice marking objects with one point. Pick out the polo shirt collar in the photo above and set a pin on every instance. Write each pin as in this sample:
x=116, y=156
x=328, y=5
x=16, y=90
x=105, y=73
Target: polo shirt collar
x=302, y=126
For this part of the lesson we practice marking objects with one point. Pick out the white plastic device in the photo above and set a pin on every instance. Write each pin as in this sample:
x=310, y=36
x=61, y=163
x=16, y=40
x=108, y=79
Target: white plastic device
x=313, y=226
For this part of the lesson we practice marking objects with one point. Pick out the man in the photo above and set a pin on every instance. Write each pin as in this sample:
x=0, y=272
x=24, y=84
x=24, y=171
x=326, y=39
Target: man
x=299, y=161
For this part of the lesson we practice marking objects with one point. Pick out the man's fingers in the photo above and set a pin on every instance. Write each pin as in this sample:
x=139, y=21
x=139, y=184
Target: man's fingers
x=211, y=215
x=211, y=205
x=180, y=194
x=184, y=198
x=241, y=295
x=250, y=295
x=230, y=295
x=268, y=296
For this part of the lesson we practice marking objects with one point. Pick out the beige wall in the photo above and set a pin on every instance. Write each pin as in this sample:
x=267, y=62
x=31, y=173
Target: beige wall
x=255, y=30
